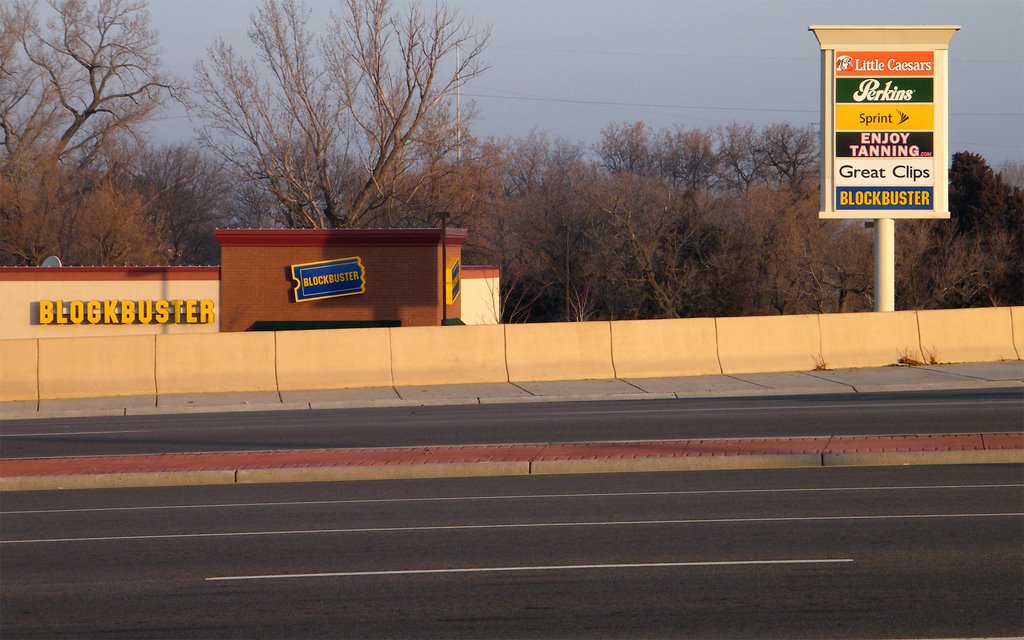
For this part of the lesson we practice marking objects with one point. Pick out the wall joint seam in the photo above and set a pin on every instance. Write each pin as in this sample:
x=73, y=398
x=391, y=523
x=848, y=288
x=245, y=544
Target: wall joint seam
x=718, y=352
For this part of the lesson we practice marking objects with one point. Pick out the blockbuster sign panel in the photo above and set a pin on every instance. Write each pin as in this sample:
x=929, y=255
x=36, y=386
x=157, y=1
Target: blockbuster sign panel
x=884, y=119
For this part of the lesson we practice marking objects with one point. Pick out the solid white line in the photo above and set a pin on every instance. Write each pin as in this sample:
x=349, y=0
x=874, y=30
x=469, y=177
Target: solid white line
x=766, y=404
x=58, y=434
x=564, y=567
x=527, y=525
x=539, y=496
x=761, y=406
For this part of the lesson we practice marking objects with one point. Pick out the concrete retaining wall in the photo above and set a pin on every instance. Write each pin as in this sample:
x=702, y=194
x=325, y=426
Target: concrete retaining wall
x=19, y=370
x=764, y=344
x=57, y=368
x=92, y=367
x=967, y=335
x=328, y=359
x=562, y=351
x=215, y=363
x=663, y=348
x=850, y=340
x=448, y=355
x=1017, y=322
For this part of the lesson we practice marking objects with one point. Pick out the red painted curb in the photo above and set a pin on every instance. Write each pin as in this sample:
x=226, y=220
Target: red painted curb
x=369, y=457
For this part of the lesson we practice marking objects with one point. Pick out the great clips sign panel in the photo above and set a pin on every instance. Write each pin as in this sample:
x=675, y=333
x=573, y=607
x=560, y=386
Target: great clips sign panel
x=884, y=120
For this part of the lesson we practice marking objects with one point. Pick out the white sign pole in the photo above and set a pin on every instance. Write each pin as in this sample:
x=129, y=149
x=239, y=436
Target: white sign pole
x=885, y=264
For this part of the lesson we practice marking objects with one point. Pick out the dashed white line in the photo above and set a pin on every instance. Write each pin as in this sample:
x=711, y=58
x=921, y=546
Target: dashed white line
x=516, y=525
x=563, y=567
x=539, y=496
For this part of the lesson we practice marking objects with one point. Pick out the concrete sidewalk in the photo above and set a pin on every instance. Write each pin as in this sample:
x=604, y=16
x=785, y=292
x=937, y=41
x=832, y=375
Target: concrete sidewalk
x=1008, y=374
x=325, y=465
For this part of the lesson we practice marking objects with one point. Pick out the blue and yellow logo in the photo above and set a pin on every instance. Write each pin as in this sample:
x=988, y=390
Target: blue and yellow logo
x=328, y=279
x=452, y=280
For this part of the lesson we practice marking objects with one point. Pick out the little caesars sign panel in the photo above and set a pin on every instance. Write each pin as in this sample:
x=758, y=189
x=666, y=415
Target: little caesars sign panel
x=884, y=122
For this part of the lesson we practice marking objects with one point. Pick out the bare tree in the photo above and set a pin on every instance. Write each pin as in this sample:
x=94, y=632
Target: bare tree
x=70, y=86
x=687, y=158
x=791, y=153
x=187, y=195
x=112, y=230
x=331, y=126
x=394, y=82
x=282, y=130
x=75, y=84
x=740, y=163
x=626, y=149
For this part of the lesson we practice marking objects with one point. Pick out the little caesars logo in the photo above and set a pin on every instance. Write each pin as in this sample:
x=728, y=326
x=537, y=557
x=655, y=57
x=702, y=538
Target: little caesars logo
x=899, y=63
x=871, y=90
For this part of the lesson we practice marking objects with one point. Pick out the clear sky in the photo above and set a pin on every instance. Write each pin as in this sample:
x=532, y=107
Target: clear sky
x=572, y=67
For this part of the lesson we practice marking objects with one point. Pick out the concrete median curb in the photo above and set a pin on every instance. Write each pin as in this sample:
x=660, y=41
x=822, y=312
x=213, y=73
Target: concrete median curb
x=683, y=463
x=386, y=472
x=116, y=480
x=392, y=463
x=900, y=458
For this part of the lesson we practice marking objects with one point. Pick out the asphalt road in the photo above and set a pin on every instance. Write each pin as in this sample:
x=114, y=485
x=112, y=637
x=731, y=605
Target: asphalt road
x=844, y=414
x=895, y=552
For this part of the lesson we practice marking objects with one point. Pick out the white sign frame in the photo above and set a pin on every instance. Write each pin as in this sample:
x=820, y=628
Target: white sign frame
x=894, y=38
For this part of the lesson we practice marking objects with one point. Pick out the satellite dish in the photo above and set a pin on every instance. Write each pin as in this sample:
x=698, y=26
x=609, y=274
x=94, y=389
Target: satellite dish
x=52, y=261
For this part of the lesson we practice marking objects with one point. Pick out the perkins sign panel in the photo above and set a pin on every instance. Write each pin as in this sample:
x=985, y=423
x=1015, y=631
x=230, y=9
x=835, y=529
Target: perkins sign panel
x=883, y=89
x=328, y=279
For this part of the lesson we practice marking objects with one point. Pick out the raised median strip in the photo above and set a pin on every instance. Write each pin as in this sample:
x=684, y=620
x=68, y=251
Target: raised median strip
x=325, y=465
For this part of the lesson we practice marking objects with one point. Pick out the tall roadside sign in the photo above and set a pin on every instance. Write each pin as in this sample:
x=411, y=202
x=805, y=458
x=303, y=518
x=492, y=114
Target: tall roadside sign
x=884, y=119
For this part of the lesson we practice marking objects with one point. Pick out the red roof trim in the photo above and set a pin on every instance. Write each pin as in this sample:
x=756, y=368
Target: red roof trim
x=335, y=237
x=81, y=274
x=480, y=271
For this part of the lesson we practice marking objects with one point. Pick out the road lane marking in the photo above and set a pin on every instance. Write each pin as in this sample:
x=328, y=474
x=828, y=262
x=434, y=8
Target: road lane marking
x=538, y=496
x=763, y=405
x=58, y=434
x=760, y=405
x=561, y=567
x=509, y=525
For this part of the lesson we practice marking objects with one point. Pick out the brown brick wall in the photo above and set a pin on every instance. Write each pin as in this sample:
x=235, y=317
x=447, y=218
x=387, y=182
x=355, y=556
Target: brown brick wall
x=403, y=279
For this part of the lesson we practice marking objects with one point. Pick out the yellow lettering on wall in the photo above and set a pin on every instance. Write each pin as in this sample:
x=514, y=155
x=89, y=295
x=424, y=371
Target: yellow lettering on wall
x=110, y=312
x=162, y=308
x=205, y=311
x=145, y=311
x=45, y=312
x=127, y=311
x=178, y=304
x=92, y=312
x=76, y=311
x=98, y=312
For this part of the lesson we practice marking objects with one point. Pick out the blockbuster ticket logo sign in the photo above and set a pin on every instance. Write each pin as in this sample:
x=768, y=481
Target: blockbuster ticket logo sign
x=328, y=279
x=452, y=280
